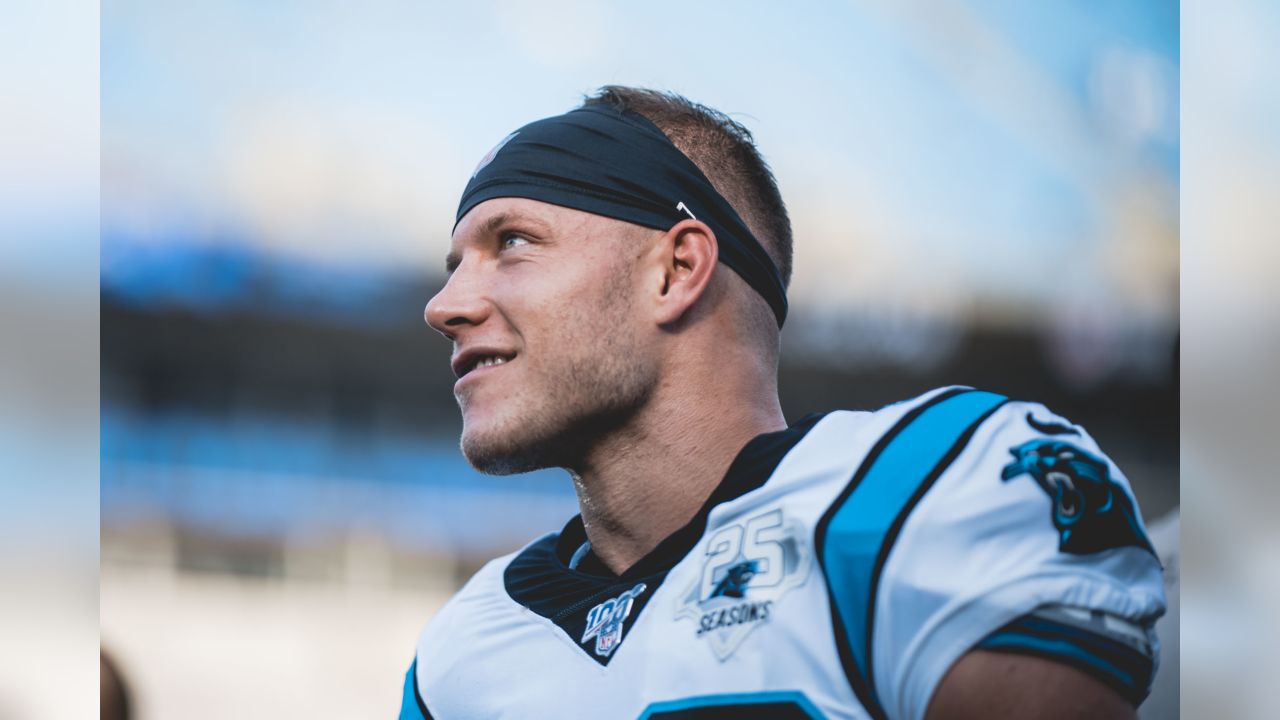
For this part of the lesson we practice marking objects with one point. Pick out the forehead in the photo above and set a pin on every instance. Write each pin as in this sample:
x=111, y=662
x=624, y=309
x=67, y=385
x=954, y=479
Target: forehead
x=498, y=213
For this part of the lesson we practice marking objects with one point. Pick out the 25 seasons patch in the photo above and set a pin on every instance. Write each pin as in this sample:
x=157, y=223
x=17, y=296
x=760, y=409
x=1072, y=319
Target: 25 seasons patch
x=748, y=567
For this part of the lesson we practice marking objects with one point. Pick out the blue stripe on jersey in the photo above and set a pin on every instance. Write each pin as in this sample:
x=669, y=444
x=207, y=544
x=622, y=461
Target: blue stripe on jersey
x=858, y=531
x=411, y=705
x=742, y=705
x=1124, y=669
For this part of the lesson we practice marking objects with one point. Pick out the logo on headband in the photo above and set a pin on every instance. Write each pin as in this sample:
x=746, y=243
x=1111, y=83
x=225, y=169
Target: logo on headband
x=489, y=156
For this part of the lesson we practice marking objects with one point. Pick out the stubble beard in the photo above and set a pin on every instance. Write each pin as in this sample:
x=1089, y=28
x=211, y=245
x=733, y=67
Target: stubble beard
x=585, y=396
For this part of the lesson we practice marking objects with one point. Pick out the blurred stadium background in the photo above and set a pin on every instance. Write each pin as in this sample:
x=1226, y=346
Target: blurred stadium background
x=983, y=193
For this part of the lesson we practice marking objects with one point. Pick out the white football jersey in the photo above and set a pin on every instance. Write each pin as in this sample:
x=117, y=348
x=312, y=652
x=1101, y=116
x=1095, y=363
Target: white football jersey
x=838, y=571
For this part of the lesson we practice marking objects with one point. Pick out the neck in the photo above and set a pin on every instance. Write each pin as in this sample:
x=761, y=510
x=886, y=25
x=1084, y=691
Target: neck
x=646, y=480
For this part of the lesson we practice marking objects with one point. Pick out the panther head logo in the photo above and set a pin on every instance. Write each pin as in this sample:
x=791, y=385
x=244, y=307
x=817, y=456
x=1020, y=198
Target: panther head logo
x=1090, y=510
x=735, y=581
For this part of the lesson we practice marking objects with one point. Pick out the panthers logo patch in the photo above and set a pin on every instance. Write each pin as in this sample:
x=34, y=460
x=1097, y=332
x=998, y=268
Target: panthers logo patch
x=1090, y=510
x=735, y=581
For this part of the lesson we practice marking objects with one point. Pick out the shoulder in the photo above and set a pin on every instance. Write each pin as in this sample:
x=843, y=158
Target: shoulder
x=478, y=599
x=970, y=442
x=458, y=651
x=967, y=512
x=938, y=417
x=836, y=444
x=1017, y=466
x=871, y=452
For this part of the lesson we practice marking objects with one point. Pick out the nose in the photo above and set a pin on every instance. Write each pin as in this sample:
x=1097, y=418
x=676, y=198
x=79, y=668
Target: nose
x=459, y=304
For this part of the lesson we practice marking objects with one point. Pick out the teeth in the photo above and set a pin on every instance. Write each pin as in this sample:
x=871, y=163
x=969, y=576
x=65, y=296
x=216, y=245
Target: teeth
x=490, y=361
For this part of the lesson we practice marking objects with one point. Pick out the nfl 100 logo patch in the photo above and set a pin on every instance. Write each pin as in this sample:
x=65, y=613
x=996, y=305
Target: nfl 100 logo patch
x=604, y=621
x=748, y=567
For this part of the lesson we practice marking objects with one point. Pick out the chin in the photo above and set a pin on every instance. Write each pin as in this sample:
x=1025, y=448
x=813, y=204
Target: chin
x=529, y=430
x=499, y=450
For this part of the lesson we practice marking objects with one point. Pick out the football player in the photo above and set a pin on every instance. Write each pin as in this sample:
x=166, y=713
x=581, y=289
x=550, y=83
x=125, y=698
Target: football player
x=617, y=283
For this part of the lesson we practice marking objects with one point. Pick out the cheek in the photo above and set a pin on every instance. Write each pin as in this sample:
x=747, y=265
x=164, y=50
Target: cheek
x=561, y=309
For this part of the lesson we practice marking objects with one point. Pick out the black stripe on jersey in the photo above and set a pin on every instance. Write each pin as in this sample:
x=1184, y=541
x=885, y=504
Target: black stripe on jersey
x=863, y=683
x=422, y=704
x=1050, y=427
x=1119, y=666
x=780, y=710
x=894, y=529
x=865, y=694
x=417, y=710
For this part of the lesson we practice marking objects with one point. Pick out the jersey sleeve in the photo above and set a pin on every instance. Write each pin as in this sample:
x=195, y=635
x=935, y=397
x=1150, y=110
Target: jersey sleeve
x=1029, y=535
x=981, y=522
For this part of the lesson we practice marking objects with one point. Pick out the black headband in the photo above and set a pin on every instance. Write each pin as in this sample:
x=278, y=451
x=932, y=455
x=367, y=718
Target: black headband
x=618, y=164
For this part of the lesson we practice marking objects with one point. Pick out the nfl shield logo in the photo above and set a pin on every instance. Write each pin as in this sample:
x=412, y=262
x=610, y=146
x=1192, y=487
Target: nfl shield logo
x=604, y=621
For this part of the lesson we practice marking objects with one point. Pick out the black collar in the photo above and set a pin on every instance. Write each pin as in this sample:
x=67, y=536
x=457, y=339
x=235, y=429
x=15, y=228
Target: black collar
x=749, y=470
x=540, y=578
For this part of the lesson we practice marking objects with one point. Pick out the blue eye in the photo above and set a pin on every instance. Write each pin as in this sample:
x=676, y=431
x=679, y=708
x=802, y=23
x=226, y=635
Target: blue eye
x=512, y=240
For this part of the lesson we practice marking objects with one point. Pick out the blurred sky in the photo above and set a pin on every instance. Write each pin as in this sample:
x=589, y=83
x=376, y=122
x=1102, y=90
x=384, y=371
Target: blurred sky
x=947, y=157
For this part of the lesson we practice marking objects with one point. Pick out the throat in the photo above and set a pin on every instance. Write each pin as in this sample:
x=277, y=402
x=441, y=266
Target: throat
x=636, y=521
x=640, y=484
x=628, y=523
x=627, y=515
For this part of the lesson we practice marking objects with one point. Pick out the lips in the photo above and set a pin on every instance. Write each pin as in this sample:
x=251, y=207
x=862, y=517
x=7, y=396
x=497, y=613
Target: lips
x=479, y=358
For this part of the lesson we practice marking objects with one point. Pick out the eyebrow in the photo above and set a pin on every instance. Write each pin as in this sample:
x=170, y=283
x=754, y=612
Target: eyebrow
x=492, y=226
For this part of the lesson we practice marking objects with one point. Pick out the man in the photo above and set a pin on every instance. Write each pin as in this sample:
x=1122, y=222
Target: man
x=616, y=290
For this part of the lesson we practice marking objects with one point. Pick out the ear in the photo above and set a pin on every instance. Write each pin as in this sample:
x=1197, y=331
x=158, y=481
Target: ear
x=688, y=254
